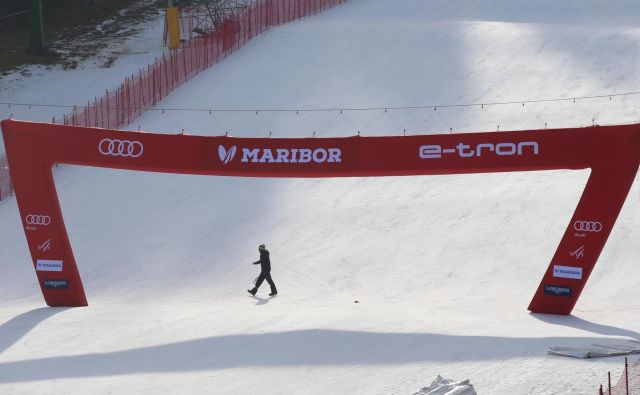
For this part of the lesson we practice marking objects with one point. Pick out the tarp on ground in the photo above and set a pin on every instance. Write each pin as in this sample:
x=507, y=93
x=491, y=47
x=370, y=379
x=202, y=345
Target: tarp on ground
x=597, y=350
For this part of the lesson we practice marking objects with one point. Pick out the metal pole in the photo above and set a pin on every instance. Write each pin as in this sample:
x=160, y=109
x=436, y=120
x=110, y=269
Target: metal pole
x=609, y=378
x=36, y=36
x=626, y=374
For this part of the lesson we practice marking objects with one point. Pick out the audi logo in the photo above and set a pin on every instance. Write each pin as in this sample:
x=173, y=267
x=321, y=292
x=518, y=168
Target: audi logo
x=587, y=226
x=33, y=219
x=124, y=148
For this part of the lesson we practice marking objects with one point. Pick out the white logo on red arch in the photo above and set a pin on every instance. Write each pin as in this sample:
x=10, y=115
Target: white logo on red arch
x=572, y=272
x=123, y=148
x=46, y=246
x=46, y=265
x=37, y=219
x=282, y=155
x=587, y=226
x=226, y=156
x=578, y=253
x=463, y=150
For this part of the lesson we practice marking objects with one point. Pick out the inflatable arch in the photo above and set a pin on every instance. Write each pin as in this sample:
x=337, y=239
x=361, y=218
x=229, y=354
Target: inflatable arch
x=612, y=153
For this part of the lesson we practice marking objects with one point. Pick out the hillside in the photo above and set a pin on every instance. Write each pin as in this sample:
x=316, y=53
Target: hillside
x=442, y=267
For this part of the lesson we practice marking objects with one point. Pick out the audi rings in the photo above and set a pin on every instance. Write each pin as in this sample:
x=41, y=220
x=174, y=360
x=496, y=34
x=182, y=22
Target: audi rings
x=124, y=148
x=33, y=219
x=587, y=226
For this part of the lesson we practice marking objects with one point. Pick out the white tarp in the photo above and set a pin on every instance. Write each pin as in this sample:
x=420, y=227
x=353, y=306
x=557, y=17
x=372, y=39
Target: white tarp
x=597, y=350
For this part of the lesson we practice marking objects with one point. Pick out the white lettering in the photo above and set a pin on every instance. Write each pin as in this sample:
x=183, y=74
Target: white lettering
x=293, y=155
x=505, y=149
x=250, y=154
x=481, y=146
x=267, y=156
x=283, y=155
x=305, y=155
x=430, y=151
x=319, y=155
x=334, y=155
x=461, y=147
x=528, y=143
x=467, y=151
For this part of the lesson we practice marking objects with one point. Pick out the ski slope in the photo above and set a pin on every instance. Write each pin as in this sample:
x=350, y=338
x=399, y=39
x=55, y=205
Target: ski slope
x=442, y=267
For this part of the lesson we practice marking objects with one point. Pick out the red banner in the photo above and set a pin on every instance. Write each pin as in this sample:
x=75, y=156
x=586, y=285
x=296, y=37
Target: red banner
x=612, y=152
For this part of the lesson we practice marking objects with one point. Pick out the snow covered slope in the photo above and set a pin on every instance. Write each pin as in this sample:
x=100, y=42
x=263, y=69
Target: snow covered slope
x=442, y=267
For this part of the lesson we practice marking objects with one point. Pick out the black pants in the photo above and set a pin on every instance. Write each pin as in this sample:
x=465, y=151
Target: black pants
x=266, y=276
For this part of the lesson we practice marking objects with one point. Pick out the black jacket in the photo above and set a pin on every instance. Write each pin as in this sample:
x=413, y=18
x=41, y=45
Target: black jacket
x=265, y=263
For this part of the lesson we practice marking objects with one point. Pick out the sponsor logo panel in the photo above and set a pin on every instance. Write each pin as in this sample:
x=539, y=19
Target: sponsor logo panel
x=280, y=155
x=557, y=290
x=587, y=226
x=56, y=284
x=121, y=148
x=571, y=272
x=35, y=220
x=584, y=227
x=463, y=150
x=47, y=265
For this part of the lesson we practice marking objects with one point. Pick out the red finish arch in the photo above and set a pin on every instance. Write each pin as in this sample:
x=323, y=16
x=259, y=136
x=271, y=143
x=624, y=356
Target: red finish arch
x=612, y=152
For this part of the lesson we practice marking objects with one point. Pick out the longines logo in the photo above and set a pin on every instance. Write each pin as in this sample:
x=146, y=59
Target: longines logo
x=281, y=155
x=56, y=284
x=556, y=290
x=467, y=151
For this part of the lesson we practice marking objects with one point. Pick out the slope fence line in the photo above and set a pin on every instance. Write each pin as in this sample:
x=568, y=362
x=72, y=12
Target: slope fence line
x=143, y=90
x=628, y=384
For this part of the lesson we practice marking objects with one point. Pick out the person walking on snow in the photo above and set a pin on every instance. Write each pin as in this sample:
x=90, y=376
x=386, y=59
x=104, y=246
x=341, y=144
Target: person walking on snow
x=265, y=272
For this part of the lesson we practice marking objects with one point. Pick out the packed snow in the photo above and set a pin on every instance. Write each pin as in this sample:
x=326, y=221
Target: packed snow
x=442, y=267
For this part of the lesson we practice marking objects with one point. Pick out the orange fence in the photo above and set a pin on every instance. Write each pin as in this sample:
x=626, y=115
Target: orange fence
x=151, y=84
x=628, y=384
x=143, y=90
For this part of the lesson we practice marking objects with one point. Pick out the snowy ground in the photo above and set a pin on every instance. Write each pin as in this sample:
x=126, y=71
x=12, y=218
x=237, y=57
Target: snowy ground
x=442, y=267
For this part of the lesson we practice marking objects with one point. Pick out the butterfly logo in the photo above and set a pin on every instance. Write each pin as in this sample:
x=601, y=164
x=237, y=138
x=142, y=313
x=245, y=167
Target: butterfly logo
x=226, y=156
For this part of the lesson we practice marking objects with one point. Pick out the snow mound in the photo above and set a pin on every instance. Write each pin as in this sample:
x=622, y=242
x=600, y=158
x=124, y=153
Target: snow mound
x=442, y=386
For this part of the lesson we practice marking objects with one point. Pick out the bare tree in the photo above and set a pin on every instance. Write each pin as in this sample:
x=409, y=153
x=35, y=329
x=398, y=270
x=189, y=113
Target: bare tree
x=209, y=15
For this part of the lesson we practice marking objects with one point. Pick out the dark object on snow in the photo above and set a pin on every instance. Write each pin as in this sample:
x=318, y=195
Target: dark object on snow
x=265, y=272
